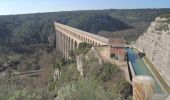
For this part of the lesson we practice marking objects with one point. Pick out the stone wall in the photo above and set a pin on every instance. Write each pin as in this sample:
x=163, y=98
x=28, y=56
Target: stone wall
x=155, y=42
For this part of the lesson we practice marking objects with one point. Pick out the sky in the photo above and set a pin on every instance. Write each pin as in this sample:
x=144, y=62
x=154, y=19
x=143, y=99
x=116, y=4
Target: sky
x=8, y=7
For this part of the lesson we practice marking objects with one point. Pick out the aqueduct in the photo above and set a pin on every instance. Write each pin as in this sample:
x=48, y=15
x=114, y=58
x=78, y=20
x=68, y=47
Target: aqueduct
x=68, y=38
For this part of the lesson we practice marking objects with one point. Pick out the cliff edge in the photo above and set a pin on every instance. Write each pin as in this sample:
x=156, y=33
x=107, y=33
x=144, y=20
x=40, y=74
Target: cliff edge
x=155, y=43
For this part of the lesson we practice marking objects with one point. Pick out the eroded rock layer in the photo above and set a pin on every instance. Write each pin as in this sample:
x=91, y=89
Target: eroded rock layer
x=156, y=44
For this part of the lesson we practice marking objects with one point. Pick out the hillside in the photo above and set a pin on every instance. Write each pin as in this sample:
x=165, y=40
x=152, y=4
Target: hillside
x=94, y=23
x=35, y=28
x=100, y=82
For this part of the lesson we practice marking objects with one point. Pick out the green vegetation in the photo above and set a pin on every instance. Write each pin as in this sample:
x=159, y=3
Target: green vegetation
x=15, y=89
x=95, y=22
x=82, y=48
x=15, y=85
x=31, y=29
x=99, y=82
x=35, y=28
x=83, y=90
x=25, y=94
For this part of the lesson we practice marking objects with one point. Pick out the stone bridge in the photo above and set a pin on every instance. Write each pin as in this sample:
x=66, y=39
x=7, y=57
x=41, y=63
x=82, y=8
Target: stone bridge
x=69, y=38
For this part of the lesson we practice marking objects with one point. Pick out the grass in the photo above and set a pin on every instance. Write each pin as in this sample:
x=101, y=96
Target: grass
x=160, y=78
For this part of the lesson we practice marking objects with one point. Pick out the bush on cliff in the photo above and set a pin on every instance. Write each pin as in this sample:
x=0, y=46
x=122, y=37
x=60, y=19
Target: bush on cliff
x=85, y=89
x=83, y=48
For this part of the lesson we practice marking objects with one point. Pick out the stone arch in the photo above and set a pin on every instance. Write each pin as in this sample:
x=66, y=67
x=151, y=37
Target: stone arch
x=90, y=42
x=87, y=40
x=75, y=44
x=71, y=45
x=69, y=41
x=63, y=44
x=84, y=39
x=67, y=46
x=95, y=44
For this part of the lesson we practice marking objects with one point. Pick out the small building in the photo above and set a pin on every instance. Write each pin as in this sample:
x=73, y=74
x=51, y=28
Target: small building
x=117, y=49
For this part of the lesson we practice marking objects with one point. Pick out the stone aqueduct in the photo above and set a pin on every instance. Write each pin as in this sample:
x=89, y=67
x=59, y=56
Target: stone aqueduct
x=68, y=38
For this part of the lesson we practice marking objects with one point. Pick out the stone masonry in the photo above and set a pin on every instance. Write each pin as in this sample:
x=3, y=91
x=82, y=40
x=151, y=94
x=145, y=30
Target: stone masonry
x=156, y=44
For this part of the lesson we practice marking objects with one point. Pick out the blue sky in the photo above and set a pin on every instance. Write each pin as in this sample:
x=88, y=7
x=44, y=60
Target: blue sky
x=33, y=6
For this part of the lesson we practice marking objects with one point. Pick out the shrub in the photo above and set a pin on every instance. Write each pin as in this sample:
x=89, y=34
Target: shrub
x=82, y=48
x=14, y=92
x=85, y=89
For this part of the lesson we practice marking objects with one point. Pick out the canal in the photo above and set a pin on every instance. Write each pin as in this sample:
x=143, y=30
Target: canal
x=140, y=68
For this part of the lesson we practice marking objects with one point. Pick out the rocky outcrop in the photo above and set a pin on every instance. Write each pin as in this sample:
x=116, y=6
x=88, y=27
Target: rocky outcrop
x=156, y=44
x=79, y=60
x=143, y=85
x=56, y=74
x=92, y=54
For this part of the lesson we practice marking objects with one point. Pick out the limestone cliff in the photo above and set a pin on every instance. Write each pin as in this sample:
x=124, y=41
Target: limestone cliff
x=155, y=42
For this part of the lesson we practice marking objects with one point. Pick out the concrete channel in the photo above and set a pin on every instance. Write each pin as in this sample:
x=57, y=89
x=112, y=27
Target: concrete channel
x=140, y=68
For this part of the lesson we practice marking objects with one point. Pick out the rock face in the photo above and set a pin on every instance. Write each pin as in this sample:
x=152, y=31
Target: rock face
x=56, y=74
x=143, y=87
x=92, y=54
x=156, y=44
x=79, y=59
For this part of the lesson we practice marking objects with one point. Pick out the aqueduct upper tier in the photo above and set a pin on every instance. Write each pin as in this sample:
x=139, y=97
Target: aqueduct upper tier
x=68, y=38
